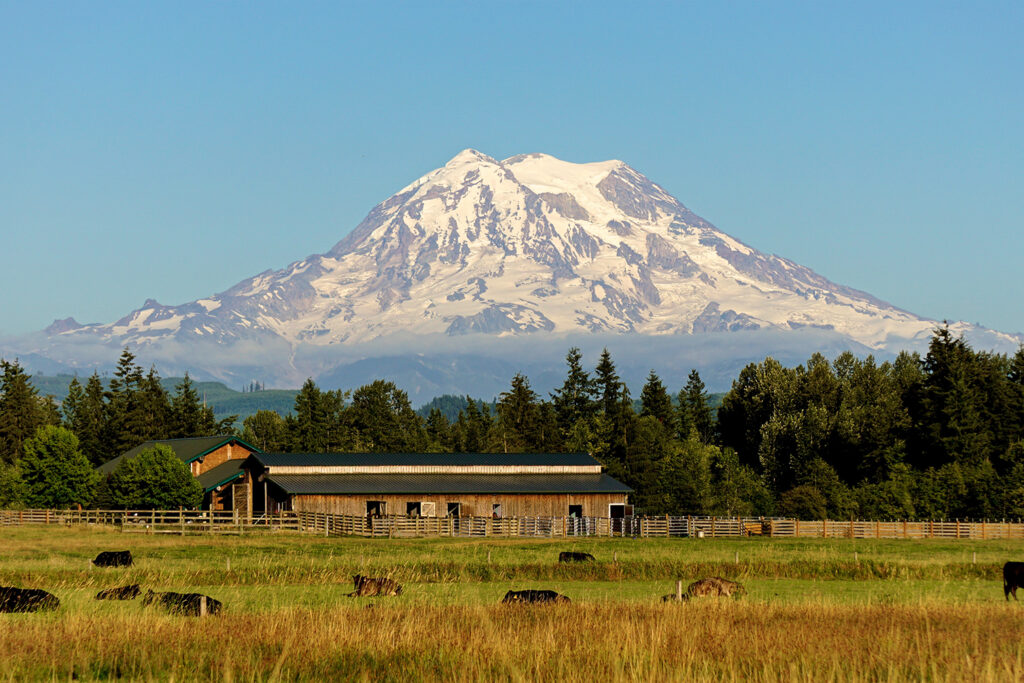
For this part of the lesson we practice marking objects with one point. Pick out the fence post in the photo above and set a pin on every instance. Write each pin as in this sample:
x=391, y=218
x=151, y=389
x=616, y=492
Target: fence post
x=679, y=590
x=668, y=527
x=958, y=528
x=712, y=527
x=824, y=528
x=797, y=520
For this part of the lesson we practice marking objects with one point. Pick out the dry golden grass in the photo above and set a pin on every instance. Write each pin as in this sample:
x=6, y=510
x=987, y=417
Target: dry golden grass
x=725, y=640
x=896, y=611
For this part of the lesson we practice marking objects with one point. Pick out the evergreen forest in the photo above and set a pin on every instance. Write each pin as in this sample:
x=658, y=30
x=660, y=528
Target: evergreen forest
x=933, y=437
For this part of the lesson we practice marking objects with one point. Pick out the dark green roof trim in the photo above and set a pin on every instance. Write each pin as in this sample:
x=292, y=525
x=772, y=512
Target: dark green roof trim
x=187, y=450
x=221, y=474
x=356, y=484
x=421, y=459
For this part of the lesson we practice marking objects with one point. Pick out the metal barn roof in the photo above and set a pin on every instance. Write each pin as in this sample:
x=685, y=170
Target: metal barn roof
x=355, y=484
x=221, y=474
x=423, y=459
x=187, y=450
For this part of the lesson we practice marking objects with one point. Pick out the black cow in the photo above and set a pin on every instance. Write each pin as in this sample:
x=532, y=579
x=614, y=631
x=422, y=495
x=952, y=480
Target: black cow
x=114, y=558
x=26, y=599
x=575, y=557
x=120, y=593
x=533, y=596
x=1013, y=577
x=368, y=586
x=183, y=603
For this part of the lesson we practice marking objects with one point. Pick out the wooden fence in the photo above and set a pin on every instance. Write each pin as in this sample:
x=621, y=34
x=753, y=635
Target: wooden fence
x=395, y=526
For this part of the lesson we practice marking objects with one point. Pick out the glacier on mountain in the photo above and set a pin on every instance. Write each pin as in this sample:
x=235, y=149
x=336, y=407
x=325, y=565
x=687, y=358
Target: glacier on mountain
x=528, y=246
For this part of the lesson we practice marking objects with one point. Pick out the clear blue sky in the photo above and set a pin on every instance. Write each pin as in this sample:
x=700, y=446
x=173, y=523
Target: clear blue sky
x=168, y=150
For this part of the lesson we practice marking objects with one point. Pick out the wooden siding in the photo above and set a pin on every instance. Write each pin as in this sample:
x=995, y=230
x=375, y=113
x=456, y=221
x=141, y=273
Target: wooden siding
x=229, y=451
x=475, y=505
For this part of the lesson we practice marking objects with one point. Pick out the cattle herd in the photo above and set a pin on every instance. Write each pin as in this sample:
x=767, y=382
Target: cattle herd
x=195, y=604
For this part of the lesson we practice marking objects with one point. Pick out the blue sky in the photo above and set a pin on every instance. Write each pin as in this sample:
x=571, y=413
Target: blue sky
x=168, y=150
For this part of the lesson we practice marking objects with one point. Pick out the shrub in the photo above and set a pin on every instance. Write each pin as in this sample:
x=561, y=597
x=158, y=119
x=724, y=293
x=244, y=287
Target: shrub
x=155, y=479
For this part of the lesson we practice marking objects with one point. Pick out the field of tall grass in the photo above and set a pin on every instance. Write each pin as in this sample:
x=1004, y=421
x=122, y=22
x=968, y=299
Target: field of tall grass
x=816, y=609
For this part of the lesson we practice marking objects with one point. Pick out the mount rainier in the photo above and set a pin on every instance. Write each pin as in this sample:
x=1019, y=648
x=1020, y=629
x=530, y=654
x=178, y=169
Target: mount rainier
x=481, y=267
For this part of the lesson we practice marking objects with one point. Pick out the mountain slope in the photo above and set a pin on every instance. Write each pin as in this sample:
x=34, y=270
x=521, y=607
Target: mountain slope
x=531, y=245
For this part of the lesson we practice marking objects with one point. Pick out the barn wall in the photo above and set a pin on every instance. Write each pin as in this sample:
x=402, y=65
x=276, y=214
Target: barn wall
x=229, y=451
x=513, y=505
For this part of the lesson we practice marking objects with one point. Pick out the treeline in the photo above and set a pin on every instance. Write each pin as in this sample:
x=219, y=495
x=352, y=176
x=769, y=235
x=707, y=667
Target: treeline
x=918, y=438
x=49, y=452
x=938, y=437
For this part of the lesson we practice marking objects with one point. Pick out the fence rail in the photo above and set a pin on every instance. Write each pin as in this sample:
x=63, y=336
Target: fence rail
x=397, y=526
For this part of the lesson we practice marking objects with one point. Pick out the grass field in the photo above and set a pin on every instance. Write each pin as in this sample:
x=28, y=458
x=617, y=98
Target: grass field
x=815, y=609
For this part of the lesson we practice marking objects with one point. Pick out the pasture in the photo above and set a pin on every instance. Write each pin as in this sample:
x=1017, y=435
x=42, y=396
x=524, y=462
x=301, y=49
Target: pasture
x=815, y=608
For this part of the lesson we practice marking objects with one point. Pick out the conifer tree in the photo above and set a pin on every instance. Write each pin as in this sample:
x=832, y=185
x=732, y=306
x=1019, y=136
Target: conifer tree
x=574, y=400
x=519, y=418
x=696, y=400
x=71, y=406
x=122, y=406
x=607, y=383
x=471, y=427
x=188, y=416
x=655, y=402
x=308, y=431
x=90, y=421
x=439, y=432
x=21, y=411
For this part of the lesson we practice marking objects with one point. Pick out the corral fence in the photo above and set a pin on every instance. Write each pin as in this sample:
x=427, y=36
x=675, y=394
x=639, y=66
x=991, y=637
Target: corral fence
x=399, y=526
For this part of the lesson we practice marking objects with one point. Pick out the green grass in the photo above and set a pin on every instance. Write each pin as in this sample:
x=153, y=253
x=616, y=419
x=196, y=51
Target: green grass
x=814, y=610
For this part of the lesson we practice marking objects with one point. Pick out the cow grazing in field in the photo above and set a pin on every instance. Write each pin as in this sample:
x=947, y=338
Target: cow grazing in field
x=120, y=593
x=114, y=558
x=533, y=597
x=368, y=586
x=26, y=599
x=575, y=557
x=714, y=586
x=1013, y=577
x=189, y=604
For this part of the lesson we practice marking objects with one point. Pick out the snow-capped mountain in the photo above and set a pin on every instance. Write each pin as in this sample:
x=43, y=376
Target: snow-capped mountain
x=531, y=245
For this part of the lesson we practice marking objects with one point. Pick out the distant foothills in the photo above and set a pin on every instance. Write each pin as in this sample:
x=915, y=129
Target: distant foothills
x=922, y=437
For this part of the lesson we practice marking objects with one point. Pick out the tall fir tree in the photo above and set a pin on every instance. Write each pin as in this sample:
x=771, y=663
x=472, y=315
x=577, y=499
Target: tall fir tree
x=90, y=420
x=519, y=418
x=655, y=402
x=694, y=399
x=574, y=400
x=188, y=416
x=22, y=411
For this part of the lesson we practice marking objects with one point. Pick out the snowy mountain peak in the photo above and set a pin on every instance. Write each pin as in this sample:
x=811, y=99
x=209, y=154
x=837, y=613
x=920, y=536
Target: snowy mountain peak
x=530, y=244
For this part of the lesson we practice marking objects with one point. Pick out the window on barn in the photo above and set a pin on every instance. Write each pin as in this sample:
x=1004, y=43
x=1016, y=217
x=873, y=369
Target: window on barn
x=428, y=508
x=375, y=508
x=496, y=511
x=454, y=509
x=412, y=509
x=616, y=511
x=575, y=510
